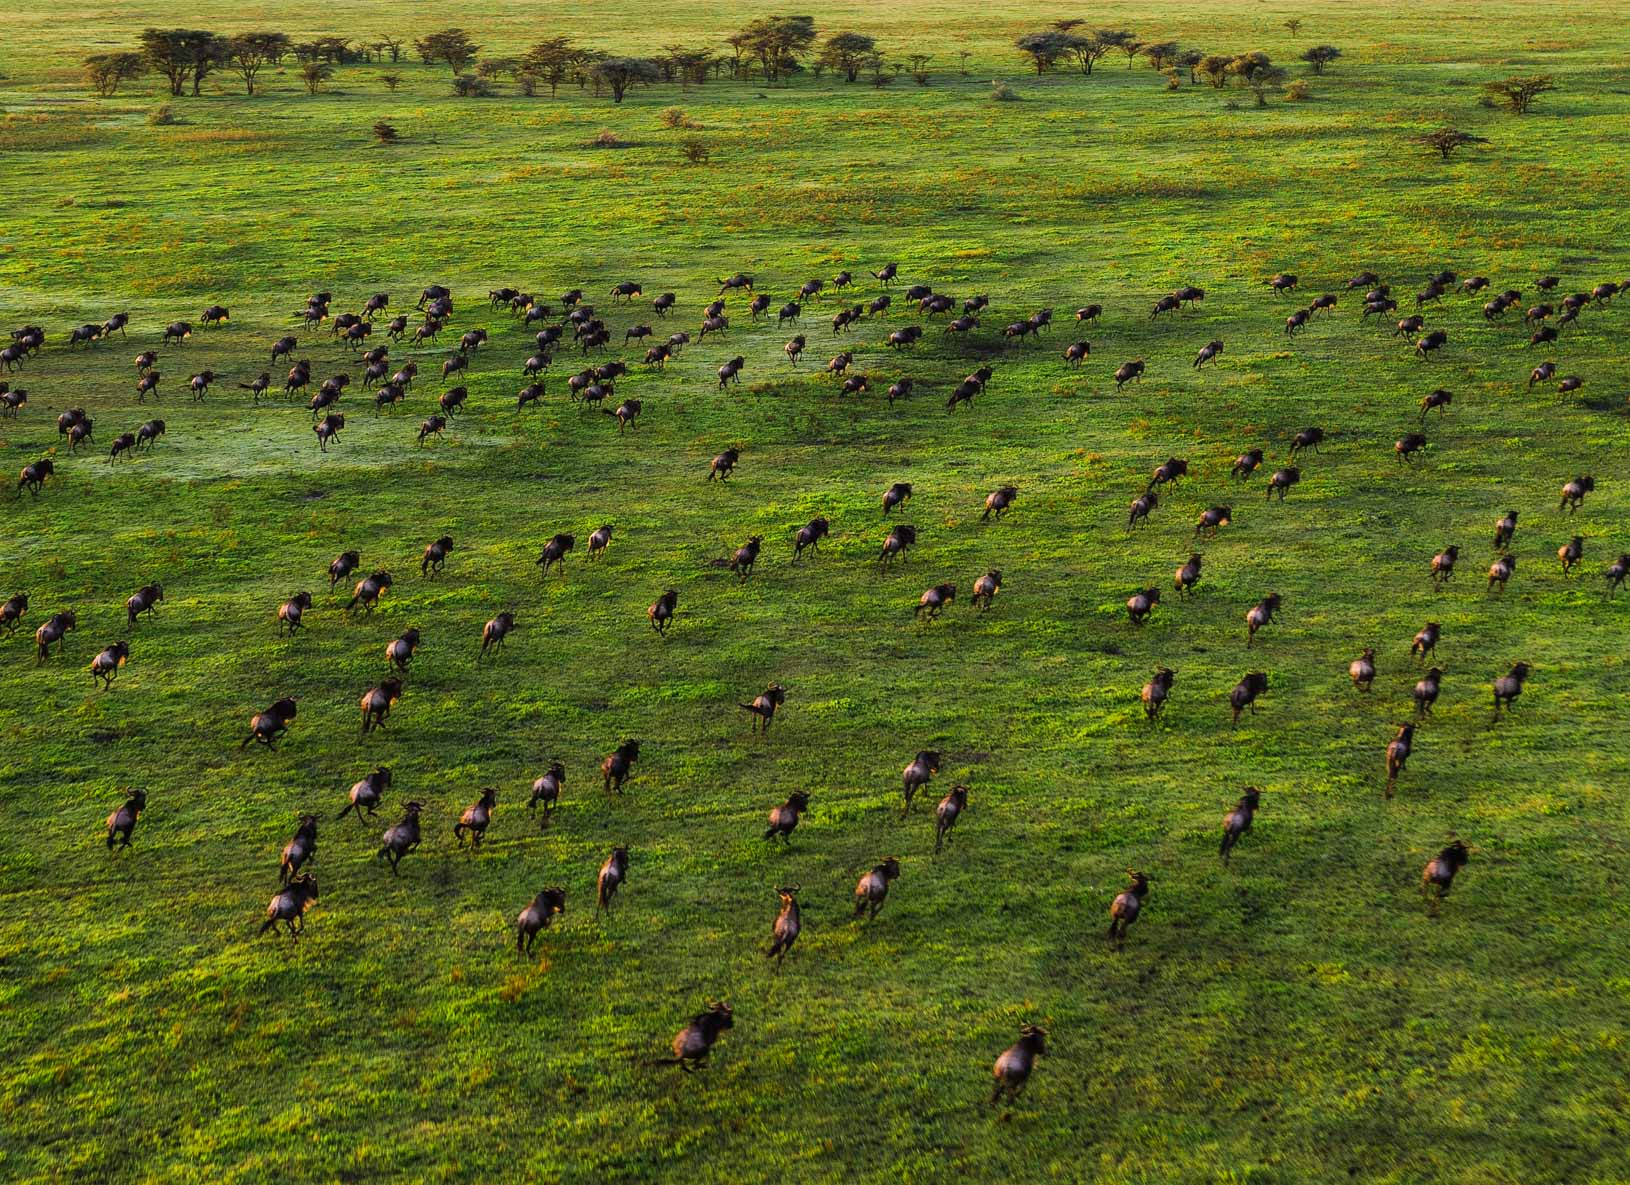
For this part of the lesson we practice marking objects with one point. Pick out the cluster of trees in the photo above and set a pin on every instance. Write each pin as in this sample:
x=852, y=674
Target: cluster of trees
x=185, y=57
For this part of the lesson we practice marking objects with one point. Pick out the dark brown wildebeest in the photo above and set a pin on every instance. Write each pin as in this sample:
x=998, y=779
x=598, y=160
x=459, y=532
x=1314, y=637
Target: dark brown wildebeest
x=531, y=393
x=177, y=331
x=1238, y=821
x=1126, y=907
x=1208, y=352
x=11, y=402
x=494, y=632
x=999, y=501
x=1381, y=307
x=626, y=413
x=1543, y=373
x=1409, y=326
x=795, y=349
x=613, y=874
x=1435, y=340
x=1500, y=571
x=1141, y=507
x=435, y=557
x=842, y=280
x=122, y=822
x=1296, y=321
x=453, y=365
x=266, y=727
x=116, y=324
x=477, y=817
x=1543, y=337
x=105, y=666
x=259, y=387
x=1426, y=642
x=13, y=610
x=1282, y=481
x=1427, y=689
x=1439, y=873
x=1569, y=385
x=1246, y=464
x=1156, y=692
x=1509, y=686
x=298, y=851
x=1126, y=372
x=1362, y=669
x=1324, y=303
x=663, y=303
x=1570, y=553
x=600, y=540
x=1505, y=529
x=784, y=818
x=986, y=588
x=738, y=281
x=1617, y=573
x=376, y=703
x=1018, y=331
x=1473, y=284
x=546, y=789
x=900, y=390
x=730, y=372
x=789, y=312
x=400, y=651
x=1307, y=438
x=840, y=362
x=342, y=566
x=873, y=888
x=967, y=324
x=1186, y=577
x=55, y=632
x=787, y=925
x=661, y=611
x=934, y=601
x=451, y=401
x=555, y=552
x=1283, y=282
x=1169, y=472
x=628, y=290
x=908, y=336
x=402, y=839
x=1537, y=313
x=745, y=556
x=1439, y=399
x=149, y=432
x=712, y=325
x=1140, y=604
x=919, y=771
x=1246, y=692
x=888, y=274
x=809, y=536
x=290, y=904
x=693, y=1043
x=368, y=591
x=658, y=356
x=764, y=705
x=1259, y=615
x=328, y=428
x=365, y=795
x=86, y=335
x=896, y=495
x=1013, y=1067
x=724, y=464
x=1213, y=518
x=900, y=540
x=291, y=613
x=124, y=443
x=1166, y=304
x=80, y=432
x=1089, y=314
x=950, y=809
x=537, y=916
x=1574, y=492
x=1408, y=445
x=1398, y=751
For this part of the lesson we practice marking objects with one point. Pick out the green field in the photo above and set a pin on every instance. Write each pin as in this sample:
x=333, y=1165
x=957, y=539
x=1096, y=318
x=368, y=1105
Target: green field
x=1297, y=1017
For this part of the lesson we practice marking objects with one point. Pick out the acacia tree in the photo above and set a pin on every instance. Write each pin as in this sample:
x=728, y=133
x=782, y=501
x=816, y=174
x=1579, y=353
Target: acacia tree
x=777, y=41
x=1294, y=25
x=1258, y=74
x=1131, y=47
x=1214, y=66
x=182, y=54
x=1320, y=56
x=1160, y=53
x=846, y=52
x=1103, y=41
x=1446, y=140
x=452, y=46
x=105, y=71
x=1044, y=49
x=247, y=53
x=621, y=73
x=1190, y=60
x=1518, y=93
x=389, y=45
x=314, y=74
x=552, y=60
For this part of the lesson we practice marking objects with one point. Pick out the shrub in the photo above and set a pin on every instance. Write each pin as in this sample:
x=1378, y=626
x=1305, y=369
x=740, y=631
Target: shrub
x=606, y=139
x=314, y=74
x=468, y=86
x=385, y=133
x=527, y=82
x=1001, y=92
x=675, y=117
x=695, y=151
x=391, y=81
x=161, y=116
x=1299, y=91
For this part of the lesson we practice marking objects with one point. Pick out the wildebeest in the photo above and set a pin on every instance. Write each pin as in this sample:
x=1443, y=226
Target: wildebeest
x=788, y=923
x=693, y=1043
x=1283, y=480
x=999, y=502
x=1187, y=576
x=873, y=888
x=1426, y=642
x=1156, y=692
x=1543, y=373
x=177, y=331
x=1439, y=399
x=1505, y=529
x=266, y=727
x=401, y=839
x=1214, y=518
x=950, y=809
x=1142, y=506
x=1362, y=669
x=896, y=495
x=328, y=428
x=1013, y=1067
x=494, y=632
x=1282, y=283
x=613, y=874
x=55, y=632
x=745, y=556
x=299, y=850
x=1406, y=446
x=1128, y=371
x=618, y=765
x=1433, y=341
x=435, y=556
x=1573, y=494
x=934, y=601
x=105, y=666
x=368, y=590
x=1246, y=693
x=477, y=817
x=289, y=905
x=986, y=588
x=1398, y=751
x=342, y=566
x=365, y=795
x=376, y=703
x=1089, y=314
x=1076, y=352
x=432, y=426
x=546, y=789
x=764, y=705
x=661, y=611
x=784, y=818
x=555, y=552
x=1509, y=686
x=34, y=475
x=795, y=348
x=600, y=540
x=1439, y=873
x=1618, y=571
x=1126, y=907
x=626, y=413
x=537, y=916
x=1140, y=604
x=1259, y=615
x=919, y=771
x=1426, y=690
x=12, y=612
x=900, y=540
x=1500, y=571
x=1246, y=463
x=1570, y=553
x=1238, y=821
x=724, y=464
x=809, y=536
x=1208, y=352
x=122, y=822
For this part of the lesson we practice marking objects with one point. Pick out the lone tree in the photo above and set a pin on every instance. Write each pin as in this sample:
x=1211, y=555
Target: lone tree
x=1044, y=49
x=621, y=73
x=247, y=53
x=1320, y=56
x=182, y=54
x=314, y=74
x=1160, y=53
x=1294, y=25
x=1516, y=93
x=552, y=60
x=105, y=71
x=386, y=133
x=846, y=53
x=452, y=46
x=1446, y=140
x=1258, y=74
x=777, y=42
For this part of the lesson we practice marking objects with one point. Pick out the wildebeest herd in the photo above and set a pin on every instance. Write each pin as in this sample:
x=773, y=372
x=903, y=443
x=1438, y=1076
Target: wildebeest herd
x=570, y=323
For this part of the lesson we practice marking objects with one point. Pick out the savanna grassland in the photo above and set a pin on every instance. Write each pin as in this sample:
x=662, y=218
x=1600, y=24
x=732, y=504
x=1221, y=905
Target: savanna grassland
x=1297, y=1017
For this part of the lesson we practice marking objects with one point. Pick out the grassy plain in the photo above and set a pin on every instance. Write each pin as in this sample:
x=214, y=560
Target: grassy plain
x=1297, y=1018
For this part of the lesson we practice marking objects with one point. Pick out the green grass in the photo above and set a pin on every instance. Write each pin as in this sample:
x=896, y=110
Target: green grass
x=1296, y=1018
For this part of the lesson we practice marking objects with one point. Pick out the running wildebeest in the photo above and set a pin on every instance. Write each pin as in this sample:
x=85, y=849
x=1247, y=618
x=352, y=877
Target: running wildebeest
x=289, y=905
x=1505, y=529
x=900, y=540
x=435, y=556
x=266, y=727
x=1142, y=506
x=788, y=923
x=1398, y=751
x=618, y=765
x=745, y=556
x=494, y=632
x=328, y=428
x=1089, y=314
x=1283, y=480
x=1439, y=873
x=1408, y=445
x=1570, y=553
x=1617, y=573
x=934, y=601
x=999, y=502
x=401, y=839
x=873, y=888
x=784, y=818
x=795, y=349
x=1439, y=399
x=810, y=536
x=1426, y=690
x=897, y=494
x=105, y=666
x=122, y=822
x=368, y=590
x=1214, y=518
x=1282, y=283
x=1362, y=669
x=613, y=874
x=1208, y=353
x=918, y=773
x=724, y=464
x=13, y=610
x=1238, y=821
x=1426, y=642
x=693, y=1043
x=764, y=705
x=986, y=588
x=1246, y=693
x=1186, y=577
x=1128, y=371
x=1246, y=464
x=376, y=703
x=1433, y=341
x=1156, y=692
x=1509, y=686
x=599, y=541
x=365, y=795
x=299, y=850
x=1013, y=1067
x=477, y=817
x=537, y=916
x=1126, y=907
x=1141, y=604
x=546, y=789
x=34, y=476
x=1573, y=494
x=661, y=611
x=342, y=566
x=55, y=632
x=555, y=552
x=1259, y=615
x=1500, y=571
